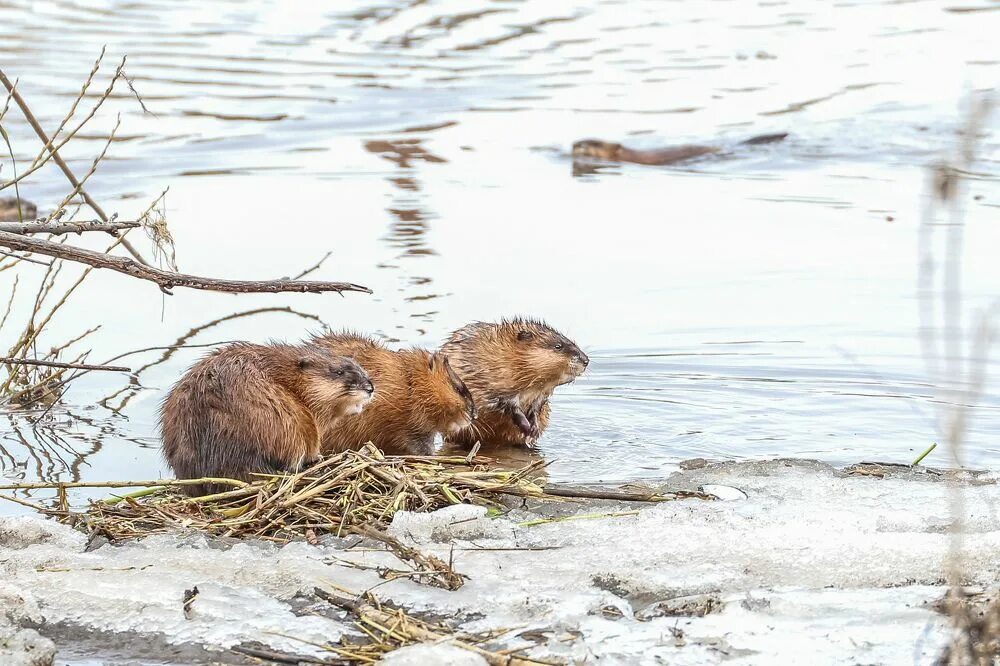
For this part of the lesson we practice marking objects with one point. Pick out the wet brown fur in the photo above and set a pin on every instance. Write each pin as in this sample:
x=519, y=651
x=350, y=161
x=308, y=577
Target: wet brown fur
x=616, y=152
x=417, y=395
x=512, y=368
x=250, y=408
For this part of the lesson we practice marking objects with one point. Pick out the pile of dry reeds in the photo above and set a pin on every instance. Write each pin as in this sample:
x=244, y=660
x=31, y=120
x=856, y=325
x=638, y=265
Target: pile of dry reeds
x=382, y=629
x=344, y=491
x=354, y=492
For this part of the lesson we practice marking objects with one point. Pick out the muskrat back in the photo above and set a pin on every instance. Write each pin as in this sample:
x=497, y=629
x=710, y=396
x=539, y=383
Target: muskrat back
x=615, y=152
x=247, y=409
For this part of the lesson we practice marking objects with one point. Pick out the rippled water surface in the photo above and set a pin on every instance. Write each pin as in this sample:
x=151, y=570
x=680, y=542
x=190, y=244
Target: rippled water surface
x=757, y=304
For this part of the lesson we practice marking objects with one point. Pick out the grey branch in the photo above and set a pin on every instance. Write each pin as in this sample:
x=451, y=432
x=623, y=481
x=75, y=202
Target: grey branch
x=167, y=280
x=56, y=364
x=56, y=229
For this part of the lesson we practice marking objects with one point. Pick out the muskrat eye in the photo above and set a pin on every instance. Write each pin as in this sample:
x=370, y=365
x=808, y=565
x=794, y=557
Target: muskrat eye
x=559, y=346
x=340, y=373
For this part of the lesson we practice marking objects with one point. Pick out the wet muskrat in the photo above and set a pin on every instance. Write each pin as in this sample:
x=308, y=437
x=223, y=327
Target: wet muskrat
x=616, y=152
x=9, y=210
x=417, y=396
x=511, y=367
x=247, y=409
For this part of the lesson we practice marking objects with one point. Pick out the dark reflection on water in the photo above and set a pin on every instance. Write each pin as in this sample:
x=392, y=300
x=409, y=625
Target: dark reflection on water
x=716, y=298
x=411, y=224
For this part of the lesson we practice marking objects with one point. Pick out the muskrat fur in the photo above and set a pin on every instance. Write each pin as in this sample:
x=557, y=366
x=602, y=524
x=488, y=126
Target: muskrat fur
x=616, y=152
x=511, y=367
x=417, y=396
x=250, y=408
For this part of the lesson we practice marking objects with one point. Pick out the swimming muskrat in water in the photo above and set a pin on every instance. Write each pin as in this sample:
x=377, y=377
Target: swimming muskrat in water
x=250, y=408
x=616, y=152
x=8, y=210
x=511, y=367
x=418, y=396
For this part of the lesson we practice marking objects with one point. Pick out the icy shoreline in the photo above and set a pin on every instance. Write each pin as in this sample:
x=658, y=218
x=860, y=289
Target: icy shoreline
x=812, y=562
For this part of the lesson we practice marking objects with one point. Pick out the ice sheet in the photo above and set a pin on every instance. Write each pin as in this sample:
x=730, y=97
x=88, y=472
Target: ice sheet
x=810, y=562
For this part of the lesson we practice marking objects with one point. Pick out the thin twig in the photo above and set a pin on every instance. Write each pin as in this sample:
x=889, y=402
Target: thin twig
x=21, y=257
x=30, y=117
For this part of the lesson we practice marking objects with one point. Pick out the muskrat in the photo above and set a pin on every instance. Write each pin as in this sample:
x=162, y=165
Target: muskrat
x=616, y=152
x=418, y=396
x=9, y=210
x=512, y=367
x=250, y=408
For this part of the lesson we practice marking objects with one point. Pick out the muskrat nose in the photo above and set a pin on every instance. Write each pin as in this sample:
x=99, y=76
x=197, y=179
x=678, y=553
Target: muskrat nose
x=583, y=359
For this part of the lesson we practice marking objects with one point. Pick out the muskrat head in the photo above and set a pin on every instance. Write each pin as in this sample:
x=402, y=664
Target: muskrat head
x=541, y=357
x=602, y=150
x=335, y=385
x=453, y=408
x=554, y=358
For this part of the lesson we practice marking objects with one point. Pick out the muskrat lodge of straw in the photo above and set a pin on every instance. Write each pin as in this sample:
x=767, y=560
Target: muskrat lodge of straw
x=251, y=409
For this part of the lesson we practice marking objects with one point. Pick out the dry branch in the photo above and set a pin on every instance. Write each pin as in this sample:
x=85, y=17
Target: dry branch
x=77, y=185
x=55, y=364
x=22, y=228
x=167, y=280
x=624, y=495
x=437, y=572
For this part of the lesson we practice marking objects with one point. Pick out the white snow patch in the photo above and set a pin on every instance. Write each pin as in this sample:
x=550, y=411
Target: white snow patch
x=459, y=521
x=441, y=654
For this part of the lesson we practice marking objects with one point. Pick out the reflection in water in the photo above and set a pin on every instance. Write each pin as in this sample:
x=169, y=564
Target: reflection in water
x=403, y=152
x=504, y=456
x=59, y=448
x=408, y=231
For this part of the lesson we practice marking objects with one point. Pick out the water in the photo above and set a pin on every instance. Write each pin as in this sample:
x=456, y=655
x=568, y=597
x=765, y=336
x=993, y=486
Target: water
x=757, y=305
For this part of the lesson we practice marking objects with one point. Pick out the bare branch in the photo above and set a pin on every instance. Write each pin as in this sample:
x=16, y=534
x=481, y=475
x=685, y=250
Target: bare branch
x=21, y=228
x=5, y=360
x=313, y=268
x=167, y=279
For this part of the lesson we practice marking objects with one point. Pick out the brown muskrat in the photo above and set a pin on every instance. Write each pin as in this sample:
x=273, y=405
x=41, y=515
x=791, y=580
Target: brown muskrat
x=418, y=397
x=250, y=408
x=616, y=152
x=512, y=367
x=9, y=210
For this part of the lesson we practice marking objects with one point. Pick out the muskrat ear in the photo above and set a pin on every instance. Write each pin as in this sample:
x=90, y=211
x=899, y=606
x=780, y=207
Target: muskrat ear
x=524, y=335
x=304, y=363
